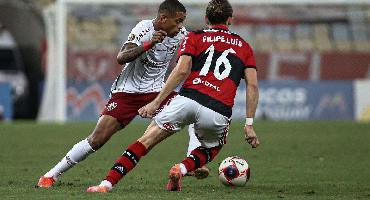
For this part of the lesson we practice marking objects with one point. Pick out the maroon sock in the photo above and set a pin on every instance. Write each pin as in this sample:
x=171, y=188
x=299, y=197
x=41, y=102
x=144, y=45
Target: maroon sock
x=126, y=162
x=199, y=157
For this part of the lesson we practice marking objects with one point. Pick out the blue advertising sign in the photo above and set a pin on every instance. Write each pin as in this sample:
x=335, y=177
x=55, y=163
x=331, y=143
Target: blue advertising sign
x=6, y=106
x=300, y=100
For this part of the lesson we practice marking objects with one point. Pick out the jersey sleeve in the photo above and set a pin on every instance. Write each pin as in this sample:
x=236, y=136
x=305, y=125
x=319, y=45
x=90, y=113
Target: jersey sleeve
x=187, y=46
x=136, y=35
x=250, y=60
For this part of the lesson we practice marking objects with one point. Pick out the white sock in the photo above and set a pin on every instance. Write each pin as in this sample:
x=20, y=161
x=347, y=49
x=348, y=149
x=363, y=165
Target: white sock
x=193, y=140
x=183, y=169
x=106, y=184
x=78, y=153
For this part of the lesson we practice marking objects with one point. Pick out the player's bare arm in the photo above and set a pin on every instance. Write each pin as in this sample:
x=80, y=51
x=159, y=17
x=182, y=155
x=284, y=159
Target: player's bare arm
x=131, y=51
x=179, y=74
x=252, y=95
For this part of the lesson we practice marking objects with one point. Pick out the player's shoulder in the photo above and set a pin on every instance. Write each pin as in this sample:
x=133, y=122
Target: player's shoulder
x=197, y=32
x=145, y=24
x=141, y=30
x=241, y=39
x=194, y=33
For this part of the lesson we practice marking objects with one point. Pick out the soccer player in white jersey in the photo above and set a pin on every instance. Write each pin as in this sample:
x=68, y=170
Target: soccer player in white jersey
x=145, y=57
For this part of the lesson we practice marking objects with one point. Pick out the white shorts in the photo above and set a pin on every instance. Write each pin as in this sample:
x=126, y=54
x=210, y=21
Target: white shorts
x=211, y=128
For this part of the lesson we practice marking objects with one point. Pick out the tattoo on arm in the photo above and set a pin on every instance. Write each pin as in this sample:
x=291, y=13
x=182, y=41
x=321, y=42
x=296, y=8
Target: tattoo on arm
x=129, y=52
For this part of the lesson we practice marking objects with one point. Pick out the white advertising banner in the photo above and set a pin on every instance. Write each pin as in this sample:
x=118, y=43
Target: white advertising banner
x=362, y=100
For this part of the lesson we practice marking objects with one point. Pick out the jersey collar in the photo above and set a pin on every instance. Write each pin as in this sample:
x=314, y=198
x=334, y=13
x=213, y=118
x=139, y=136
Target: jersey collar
x=223, y=27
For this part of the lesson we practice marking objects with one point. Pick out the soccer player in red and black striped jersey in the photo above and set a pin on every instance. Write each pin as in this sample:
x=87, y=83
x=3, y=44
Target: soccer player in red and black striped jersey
x=212, y=62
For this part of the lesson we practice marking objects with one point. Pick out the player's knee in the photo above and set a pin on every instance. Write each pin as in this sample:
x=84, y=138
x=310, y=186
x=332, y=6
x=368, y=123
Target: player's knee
x=97, y=140
x=94, y=143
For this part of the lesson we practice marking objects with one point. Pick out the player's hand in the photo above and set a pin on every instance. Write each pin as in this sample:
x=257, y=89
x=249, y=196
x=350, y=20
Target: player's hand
x=251, y=137
x=148, y=110
x=158, y=36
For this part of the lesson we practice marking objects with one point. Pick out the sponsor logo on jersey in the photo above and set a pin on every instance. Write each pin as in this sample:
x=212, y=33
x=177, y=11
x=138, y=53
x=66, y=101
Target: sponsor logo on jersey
x=111, y=106
x=172, y=49
x=197, y=81
x=143, y=33
x=150, y=63
x=131, y=37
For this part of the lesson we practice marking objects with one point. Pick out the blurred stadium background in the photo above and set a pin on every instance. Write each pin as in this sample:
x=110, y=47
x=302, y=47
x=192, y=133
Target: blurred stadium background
x=313, y=57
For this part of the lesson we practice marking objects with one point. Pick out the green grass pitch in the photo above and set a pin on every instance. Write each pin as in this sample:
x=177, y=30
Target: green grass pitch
x=296, y=160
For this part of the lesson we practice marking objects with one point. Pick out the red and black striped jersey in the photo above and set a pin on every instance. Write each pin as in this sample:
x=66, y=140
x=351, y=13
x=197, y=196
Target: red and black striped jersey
x=219, y=58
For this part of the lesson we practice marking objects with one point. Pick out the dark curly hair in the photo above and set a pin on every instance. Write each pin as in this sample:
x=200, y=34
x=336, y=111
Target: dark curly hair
x=218, y=11
x=171, y=6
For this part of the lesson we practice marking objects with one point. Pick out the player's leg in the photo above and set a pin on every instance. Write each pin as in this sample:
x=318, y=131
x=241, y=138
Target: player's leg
x=120, y=110
x=212, y=128
x=203, y=171
x=105, y=128
x=198, y=157
x=131, y=156
x=168, y=121
x=193, y=140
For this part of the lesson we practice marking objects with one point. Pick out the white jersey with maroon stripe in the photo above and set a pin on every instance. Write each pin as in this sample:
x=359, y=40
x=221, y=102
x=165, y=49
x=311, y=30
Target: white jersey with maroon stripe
x=146, y=73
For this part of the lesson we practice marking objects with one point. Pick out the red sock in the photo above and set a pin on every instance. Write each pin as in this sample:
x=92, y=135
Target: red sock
x=126, y=162
x=199, y=157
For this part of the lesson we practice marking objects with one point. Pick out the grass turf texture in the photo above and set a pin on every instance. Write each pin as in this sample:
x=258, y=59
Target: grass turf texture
x=296, y=160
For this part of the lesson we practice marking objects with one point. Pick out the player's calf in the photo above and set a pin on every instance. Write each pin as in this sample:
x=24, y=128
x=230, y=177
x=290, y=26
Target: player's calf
x=198, y=158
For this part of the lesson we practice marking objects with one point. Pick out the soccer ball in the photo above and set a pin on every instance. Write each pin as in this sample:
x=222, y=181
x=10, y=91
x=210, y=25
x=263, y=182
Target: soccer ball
x=234, y=171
